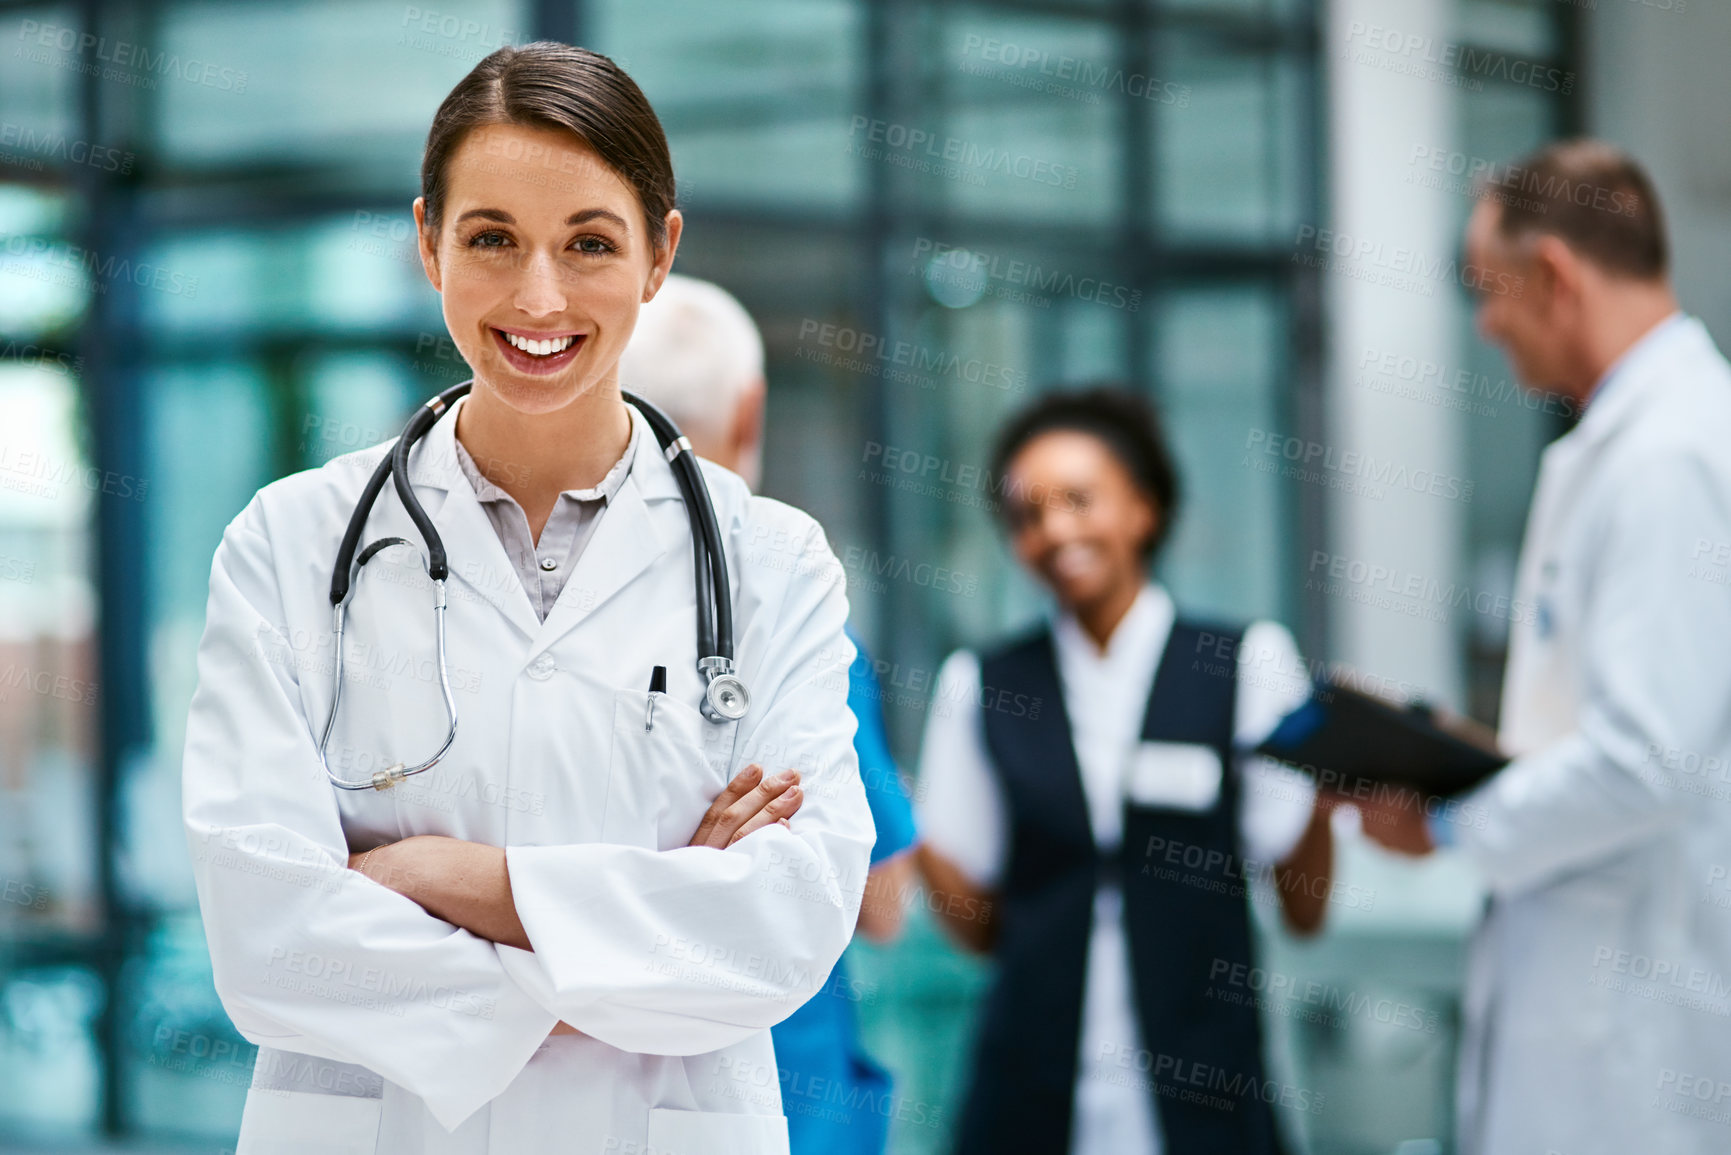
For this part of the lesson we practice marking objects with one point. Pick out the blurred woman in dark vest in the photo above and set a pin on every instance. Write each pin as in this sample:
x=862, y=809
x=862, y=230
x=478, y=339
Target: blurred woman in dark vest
x=1092, y=820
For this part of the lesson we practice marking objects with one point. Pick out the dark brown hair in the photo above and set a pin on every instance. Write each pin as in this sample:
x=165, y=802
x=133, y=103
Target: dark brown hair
x=1120, y=420
x=551, y=85
x=1592, y=196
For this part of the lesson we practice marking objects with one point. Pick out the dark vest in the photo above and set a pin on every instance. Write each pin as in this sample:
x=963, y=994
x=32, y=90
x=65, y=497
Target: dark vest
x=1186, y=914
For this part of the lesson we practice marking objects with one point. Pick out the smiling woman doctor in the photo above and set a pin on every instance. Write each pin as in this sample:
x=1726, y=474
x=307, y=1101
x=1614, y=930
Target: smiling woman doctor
x=525, y=947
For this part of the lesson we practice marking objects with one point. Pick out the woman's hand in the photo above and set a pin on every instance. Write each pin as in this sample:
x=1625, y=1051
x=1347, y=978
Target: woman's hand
x=884, y=902
x=1394, y=820
x=963, y=908
x=749, y=803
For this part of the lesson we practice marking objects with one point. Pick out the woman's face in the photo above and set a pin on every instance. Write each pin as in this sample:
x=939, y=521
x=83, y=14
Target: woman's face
x=542, y=244
x=1077, y=519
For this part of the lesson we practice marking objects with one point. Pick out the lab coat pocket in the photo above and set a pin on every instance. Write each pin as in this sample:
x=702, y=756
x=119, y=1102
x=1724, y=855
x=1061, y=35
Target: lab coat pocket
x=661, y=779
x=1179, y=775
x=714, y=1133
x=296, y=1122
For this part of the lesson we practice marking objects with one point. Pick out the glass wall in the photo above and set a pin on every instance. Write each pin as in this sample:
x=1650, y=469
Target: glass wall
x=936, y=211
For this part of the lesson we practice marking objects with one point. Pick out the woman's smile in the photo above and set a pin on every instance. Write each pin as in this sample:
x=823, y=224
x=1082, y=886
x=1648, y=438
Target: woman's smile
x=538, y=354
x=1074, y=562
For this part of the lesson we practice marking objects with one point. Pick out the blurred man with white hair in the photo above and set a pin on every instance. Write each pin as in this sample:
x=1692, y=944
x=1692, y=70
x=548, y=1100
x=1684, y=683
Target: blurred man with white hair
x=697, y=354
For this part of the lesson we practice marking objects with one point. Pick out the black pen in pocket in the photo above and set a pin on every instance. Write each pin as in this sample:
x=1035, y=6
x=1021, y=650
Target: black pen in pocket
x=657, y=687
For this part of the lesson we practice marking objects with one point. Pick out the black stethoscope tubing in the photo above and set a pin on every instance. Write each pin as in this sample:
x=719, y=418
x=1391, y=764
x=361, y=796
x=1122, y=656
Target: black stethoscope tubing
x=725, y=696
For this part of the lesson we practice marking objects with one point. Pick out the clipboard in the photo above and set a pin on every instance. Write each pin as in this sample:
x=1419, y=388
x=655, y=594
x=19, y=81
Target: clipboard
x=1342, y=735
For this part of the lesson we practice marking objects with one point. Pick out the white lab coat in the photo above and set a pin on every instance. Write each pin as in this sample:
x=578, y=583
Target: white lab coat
x=1600, y=981
x=384, y=1029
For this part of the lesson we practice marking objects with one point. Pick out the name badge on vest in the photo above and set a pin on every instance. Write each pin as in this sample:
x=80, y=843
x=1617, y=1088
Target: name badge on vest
x=1180, y=775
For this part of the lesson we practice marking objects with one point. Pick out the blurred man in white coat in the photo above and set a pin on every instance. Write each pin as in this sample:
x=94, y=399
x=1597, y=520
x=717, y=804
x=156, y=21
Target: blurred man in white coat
x=1600, y=980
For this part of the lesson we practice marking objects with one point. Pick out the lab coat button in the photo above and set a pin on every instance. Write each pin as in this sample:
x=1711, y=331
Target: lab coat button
x=548, y=565
x=542, y=668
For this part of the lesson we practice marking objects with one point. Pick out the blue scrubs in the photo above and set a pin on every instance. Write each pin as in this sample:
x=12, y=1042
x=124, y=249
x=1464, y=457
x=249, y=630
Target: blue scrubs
x=837, y=1099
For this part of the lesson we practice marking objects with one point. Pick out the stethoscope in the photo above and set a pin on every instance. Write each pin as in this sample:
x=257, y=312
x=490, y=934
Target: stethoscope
x=725, y=698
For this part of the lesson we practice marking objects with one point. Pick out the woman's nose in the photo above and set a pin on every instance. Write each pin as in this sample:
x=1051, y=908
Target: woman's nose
x=540, y=291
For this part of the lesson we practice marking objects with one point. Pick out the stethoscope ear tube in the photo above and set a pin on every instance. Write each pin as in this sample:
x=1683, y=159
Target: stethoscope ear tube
x=395, y=466
x=677, y=451
x=341, y=572
x=725, y=695
x=417, y=427
x=704, y=512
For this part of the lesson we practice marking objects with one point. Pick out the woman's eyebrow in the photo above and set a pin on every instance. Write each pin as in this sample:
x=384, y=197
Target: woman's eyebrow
x=499, y=215
x=588, y=215
x=577, y=218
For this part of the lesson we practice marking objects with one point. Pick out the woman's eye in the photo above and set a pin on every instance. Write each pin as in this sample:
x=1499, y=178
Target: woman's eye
x=594, y=246
x=489, y=240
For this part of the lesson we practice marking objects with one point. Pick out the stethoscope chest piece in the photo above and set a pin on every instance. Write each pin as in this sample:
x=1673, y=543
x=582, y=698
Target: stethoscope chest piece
x=726, y=699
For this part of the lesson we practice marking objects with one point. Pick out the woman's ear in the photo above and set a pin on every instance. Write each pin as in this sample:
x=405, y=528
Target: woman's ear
x=428, y=243
x=658, y=272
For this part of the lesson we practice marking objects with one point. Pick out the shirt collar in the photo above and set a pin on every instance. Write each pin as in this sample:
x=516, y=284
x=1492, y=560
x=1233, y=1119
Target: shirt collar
x=486, y=491
x=1651, y=344
x=1147, y=621
x=434, y=460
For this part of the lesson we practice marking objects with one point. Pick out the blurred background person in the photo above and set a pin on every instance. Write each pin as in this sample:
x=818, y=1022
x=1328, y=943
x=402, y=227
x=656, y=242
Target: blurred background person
x=697, y=353
x=1597, y=992
x=1086, y=800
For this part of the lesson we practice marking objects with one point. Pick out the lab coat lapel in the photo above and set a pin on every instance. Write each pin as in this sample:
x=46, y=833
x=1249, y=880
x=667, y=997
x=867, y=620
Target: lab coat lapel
x=478, y=559
x=1567, y=461
x=1529, y=716
x=628, y=537
x=476, y=556
x=1663, y=354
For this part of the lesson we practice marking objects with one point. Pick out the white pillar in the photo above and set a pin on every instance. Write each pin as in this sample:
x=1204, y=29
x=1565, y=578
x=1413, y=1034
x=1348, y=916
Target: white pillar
x=1390, y=288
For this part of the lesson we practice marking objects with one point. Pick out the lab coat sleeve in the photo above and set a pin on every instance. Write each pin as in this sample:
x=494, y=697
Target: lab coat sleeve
x=307, y=955
x=686, y=951
x=1654, y=686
